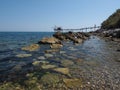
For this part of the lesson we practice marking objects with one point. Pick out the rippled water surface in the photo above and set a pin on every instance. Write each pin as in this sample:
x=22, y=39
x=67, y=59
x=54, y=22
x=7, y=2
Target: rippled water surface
x=95, y=61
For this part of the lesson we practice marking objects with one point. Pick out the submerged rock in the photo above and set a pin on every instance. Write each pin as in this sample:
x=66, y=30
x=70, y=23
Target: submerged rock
x=50, y=40
x=62, y=52
x=36, y=63
x=73, y=83
x=51, y=51
x=23, y=55
x=32, y=47
x=41, y=57
x=62, y=70
x=50, y=79
x=17, y=68
x=72, y=48
x=66, y=62
x=48, y=55
x=48, y=66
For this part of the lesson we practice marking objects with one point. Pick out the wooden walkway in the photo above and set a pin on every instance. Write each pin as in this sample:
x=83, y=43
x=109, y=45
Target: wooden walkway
x=86, y=29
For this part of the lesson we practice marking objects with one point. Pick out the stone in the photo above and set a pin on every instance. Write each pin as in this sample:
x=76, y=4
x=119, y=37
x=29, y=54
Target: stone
x=50, y=79
x=62, y=52
x=33, y=47
x=48, y=55
x=49, y=40
x=51, y=51
x=36, y=63
x=41, y=57
x=62, y=70
x=23, y=55
x=66, y=62
x=55, y=46
x=73, y=83
x=72, y=48
x=48, y=66
x=17, y=68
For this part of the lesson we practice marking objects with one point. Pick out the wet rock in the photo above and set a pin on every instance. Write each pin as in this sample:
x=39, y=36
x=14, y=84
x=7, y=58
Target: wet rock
x=51, y=51
x=48, y=55
x=44, y=62
x=33, y=47
x=78, y=60
x=23, y=55
x=55, y=46
x=66, y=62
x=62, y=52
x=41, y=57
x=50, y=79
x=72, y=48
x=73, y=83
x=48, y=66
x=60, y=36
x=17, y=68
x=36, y=63
x=50, y=40
x=62, y=70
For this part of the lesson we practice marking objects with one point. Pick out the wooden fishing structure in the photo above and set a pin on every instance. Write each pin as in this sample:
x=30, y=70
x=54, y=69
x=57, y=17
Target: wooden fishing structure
x=86, y=29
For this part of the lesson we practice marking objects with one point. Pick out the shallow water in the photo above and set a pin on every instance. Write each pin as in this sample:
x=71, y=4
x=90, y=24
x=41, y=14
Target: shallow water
x=95, y=61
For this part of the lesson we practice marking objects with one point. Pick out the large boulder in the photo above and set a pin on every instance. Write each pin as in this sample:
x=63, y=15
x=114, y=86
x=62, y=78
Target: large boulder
x=50, y=40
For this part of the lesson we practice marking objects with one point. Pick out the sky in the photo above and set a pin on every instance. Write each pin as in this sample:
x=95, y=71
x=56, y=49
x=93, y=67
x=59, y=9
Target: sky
x=43, y=15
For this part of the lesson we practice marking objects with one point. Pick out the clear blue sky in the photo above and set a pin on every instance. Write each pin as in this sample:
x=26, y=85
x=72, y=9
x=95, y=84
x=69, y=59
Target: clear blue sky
x=42, y=15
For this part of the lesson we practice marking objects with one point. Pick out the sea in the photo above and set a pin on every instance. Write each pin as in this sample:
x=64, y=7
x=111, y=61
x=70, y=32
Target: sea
x=95, y=62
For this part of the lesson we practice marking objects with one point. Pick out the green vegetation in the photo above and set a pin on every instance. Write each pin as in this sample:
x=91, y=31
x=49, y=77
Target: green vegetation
x=112, y=22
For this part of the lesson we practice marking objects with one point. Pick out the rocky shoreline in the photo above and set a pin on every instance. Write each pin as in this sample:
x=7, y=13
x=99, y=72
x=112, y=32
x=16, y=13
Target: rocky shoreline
x=113, y=34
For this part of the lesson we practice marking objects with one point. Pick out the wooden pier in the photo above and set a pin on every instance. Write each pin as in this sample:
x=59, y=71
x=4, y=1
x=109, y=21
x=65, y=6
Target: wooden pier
x=86, y=29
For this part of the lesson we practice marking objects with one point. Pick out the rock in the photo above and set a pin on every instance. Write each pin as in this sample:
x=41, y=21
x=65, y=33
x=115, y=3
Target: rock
x=48, y=55
x=51, y=40
x=51, y=51
x=73, y=83
x=36, y=63
x=41, y=57
x=62, y=70
x=62, y=52
x=60, y=36
x=17, y=68
x=33, y=47
x=66, y=62
x=55, y=46
x=44, y=62
x=50, y=79
x=72, y=48
x=23, y=55
x=48, y=66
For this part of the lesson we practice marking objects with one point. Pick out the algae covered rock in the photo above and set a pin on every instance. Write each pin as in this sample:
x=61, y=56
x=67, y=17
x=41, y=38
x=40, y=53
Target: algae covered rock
x=62, y=70
x=66, y=62
x=48, y=66
x=33, y=47
x=73, y=83
x=50, y=79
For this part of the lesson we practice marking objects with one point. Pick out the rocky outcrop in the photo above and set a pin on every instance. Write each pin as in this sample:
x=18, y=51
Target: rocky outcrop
x=76, y=37
x=49, y=40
